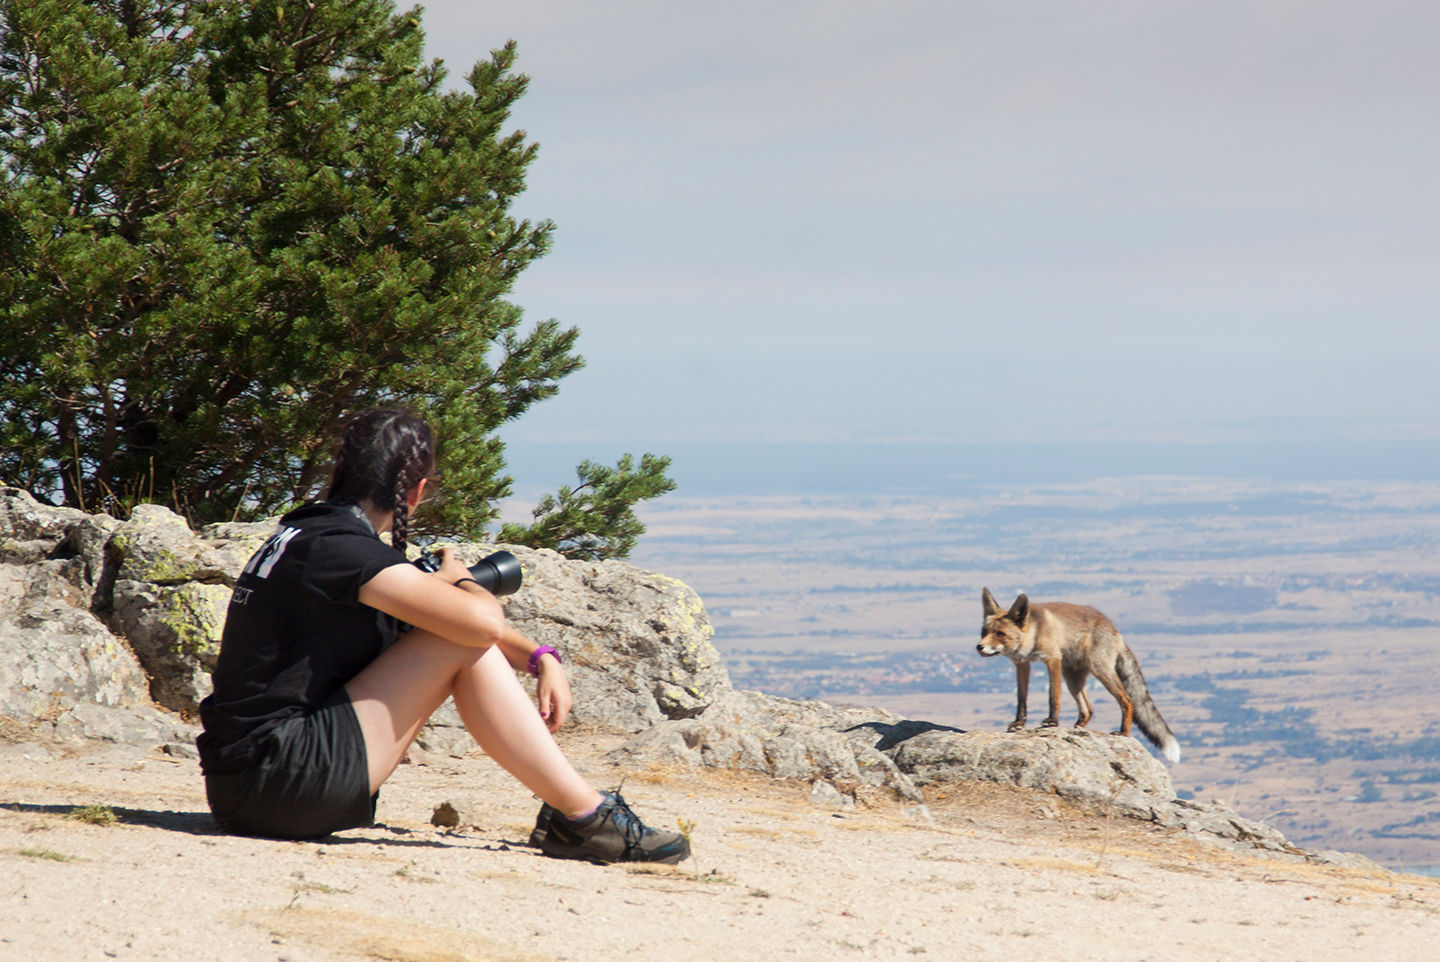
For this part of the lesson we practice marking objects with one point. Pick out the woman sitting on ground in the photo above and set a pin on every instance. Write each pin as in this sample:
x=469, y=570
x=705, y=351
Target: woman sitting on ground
x=321, y=685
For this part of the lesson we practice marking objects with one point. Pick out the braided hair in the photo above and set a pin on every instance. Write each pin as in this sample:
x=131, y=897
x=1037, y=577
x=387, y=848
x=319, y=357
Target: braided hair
x=383, y=455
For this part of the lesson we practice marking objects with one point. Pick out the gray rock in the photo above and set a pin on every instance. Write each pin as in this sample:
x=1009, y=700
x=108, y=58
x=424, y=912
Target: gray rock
x=54, y=654
x=1350, y=860
x=31, y=533
x=29, y=530
x=64, y=675
x=846, y=751
x=157, y=546
x=245, y=537
x=778, y=737
x=175, y=632
x=445, y=733
x=826, y=795
x=814, y=740
x=143, y=726
x=1095, y=770
x=636, y=644
x=1215, y=822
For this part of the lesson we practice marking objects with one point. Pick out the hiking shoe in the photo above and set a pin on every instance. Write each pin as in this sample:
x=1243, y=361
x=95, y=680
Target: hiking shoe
x=542, y=824
x=612, y=833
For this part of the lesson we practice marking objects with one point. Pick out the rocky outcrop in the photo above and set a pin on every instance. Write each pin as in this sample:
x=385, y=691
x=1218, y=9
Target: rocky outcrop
x=63, y=673
x=749, y=731
x=109, y=630
x=99, y=615
x=851, y=756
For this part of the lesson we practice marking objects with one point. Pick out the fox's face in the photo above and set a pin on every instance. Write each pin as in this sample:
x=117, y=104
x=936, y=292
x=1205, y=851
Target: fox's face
x=1003, y=631
x=999, y=635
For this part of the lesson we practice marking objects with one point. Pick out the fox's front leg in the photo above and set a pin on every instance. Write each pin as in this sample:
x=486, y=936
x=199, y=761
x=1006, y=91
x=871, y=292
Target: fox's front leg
x=1022, y=694
x=1053, y=719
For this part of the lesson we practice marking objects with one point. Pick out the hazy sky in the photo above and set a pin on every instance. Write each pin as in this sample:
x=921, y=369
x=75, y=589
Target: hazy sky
x=799, y=220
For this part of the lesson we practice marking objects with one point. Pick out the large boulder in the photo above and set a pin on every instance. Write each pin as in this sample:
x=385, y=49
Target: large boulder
x=63, y=673
x=159, y=587
x=32, y=532
x=636, y=645
x=53, y=651
x=175, y=632
x=1097, y=770
x=156, y=546
x=869, y=746
x=750, y=731
x=169, y=595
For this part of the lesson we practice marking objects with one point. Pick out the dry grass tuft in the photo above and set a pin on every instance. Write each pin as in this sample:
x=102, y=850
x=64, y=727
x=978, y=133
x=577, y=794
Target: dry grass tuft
x=93, y=814
x=45, y=854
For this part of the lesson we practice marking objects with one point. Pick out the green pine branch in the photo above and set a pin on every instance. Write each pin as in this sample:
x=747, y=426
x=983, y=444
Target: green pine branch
x=595, y=519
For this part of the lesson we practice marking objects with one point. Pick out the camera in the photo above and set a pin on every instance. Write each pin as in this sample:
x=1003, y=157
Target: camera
x=498, y=573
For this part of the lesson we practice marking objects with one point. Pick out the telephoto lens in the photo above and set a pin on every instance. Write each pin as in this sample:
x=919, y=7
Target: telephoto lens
x=498, y=573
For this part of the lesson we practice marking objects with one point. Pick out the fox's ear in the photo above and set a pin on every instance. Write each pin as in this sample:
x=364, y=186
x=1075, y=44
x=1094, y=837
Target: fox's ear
x=992, y=607
x=1020, y=611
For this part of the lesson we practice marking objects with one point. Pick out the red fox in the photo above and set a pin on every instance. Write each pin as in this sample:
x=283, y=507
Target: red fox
x=1077, y=642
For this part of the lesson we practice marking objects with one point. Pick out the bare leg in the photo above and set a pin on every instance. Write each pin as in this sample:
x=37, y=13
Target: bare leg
x=395, y=694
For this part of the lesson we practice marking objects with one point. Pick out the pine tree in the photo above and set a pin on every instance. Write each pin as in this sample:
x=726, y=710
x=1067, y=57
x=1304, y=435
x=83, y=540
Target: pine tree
x=224, y=227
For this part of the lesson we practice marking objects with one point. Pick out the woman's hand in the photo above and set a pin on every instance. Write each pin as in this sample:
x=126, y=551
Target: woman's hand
x=451, y=569
x=553, y=693
x=552, y=689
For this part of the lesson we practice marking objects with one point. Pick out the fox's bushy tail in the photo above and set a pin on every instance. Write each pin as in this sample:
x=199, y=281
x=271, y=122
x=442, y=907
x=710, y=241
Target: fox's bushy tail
x=1147, y=716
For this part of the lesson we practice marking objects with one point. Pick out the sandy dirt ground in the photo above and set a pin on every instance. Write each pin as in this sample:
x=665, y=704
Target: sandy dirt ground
x=983, y=872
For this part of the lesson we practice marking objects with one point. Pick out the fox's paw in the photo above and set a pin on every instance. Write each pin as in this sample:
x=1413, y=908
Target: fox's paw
x=1050, y=723
x=1015, y=726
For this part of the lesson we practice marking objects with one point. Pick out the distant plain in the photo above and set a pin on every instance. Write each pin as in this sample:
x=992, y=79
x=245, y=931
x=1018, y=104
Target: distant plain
x=1289, y=630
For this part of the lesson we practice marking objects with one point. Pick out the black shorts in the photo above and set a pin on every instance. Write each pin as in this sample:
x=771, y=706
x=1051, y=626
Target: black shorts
x=312, y=779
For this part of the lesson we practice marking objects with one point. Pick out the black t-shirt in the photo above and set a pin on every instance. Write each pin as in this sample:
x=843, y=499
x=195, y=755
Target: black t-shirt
x=295, y=631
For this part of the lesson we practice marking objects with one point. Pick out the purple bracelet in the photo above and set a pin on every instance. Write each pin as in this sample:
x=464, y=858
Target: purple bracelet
x=534, y=666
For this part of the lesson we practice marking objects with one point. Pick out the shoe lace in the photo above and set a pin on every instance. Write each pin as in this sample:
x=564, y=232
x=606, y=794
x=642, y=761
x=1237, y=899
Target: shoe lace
x=631, y=829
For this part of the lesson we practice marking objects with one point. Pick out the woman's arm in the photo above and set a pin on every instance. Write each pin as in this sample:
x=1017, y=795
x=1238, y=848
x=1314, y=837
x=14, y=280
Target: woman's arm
x=466, y=614
x=431, y=602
